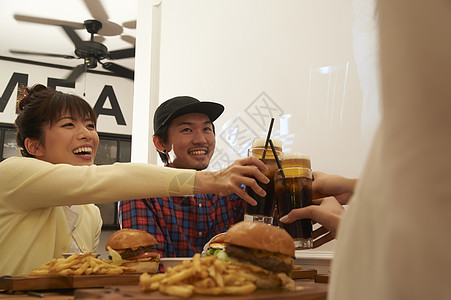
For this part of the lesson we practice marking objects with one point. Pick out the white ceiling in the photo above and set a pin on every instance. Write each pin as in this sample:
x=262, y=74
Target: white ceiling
x=28, y=36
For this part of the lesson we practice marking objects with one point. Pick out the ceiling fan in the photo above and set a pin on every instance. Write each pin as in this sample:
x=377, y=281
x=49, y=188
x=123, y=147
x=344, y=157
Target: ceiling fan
x=93, y=52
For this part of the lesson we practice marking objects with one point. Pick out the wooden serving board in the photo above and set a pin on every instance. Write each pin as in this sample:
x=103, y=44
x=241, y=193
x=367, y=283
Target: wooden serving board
x=322, y=278
x=304, y=274
x=28, y=283
x=309, y=291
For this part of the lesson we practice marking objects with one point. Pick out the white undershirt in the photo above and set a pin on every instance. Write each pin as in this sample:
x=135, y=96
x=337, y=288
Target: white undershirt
x=72, y=216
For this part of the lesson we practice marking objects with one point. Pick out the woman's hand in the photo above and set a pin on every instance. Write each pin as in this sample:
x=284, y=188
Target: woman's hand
x=245, y=171
x=325, y=185
x=329, y=192
x=328, y=214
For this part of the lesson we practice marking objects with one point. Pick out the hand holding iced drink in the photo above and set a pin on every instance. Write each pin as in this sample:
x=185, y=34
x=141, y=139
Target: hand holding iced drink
x=264, y=210
x=293, y=189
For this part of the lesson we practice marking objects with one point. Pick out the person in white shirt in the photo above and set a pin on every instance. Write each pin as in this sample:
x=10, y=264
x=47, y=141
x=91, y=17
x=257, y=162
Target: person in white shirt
x=393, y=240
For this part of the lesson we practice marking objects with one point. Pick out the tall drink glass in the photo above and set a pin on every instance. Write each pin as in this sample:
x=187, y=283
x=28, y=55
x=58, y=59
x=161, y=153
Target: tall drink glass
x=264, y=210
x=292, y=159
x=293, y=189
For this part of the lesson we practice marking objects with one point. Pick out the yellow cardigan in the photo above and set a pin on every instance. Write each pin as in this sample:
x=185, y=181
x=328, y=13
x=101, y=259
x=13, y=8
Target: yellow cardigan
x=33, y=225
x=32, y=238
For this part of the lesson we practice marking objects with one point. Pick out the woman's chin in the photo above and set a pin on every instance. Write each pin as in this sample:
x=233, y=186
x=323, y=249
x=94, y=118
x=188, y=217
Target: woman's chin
x=83, y=161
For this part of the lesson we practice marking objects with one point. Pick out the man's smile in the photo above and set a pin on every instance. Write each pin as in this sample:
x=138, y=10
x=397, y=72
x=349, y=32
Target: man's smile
x=198, y=152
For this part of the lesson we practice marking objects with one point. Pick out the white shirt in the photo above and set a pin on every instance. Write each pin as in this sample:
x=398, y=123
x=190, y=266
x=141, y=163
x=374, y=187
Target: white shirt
x=393, y=241
x=72, y=216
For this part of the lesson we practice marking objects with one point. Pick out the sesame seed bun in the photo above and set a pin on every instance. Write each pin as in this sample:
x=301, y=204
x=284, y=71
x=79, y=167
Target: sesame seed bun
x=130, y=238
x=260, y=236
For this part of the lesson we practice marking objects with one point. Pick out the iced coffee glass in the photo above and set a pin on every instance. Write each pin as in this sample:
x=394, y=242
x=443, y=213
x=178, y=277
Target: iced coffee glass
x=293, y=189
x=264, y=210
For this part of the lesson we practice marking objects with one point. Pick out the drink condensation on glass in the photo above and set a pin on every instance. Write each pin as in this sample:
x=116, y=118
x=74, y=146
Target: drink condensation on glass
x=264, y=210
x=293, y=189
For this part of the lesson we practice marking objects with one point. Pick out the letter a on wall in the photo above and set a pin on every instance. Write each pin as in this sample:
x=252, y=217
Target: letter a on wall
x=115, y=109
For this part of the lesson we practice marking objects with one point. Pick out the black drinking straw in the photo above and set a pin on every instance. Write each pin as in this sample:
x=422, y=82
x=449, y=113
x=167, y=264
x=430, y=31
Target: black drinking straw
x=268, y=137
x=277, y=159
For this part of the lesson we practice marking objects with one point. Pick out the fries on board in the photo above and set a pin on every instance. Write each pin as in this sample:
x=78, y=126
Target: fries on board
x=78, y=264
x=204, y=276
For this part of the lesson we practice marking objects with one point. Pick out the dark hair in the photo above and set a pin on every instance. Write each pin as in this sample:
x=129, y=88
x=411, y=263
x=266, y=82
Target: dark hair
x=40, y=106
x=162, y=134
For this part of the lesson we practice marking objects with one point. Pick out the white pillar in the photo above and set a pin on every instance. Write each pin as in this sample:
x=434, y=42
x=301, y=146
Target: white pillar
x=147, y=80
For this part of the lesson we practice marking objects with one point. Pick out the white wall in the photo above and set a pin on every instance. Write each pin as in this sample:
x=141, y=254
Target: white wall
x=310, y=64
x=305, y=63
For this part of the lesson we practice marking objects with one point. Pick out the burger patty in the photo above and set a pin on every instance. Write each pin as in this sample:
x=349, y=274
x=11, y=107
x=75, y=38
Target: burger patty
x=247, y=255
x=126, y=253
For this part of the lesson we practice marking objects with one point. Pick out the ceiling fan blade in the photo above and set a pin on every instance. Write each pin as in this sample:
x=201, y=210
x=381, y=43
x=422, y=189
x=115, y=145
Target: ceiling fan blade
x=99, y=39
x=73, y=36
x=98, y=12
x=123, y=53
x=130, y=24
x=96, y=9
x=119, y=70
x=42, y=54
x=76, y=72
x=110, y=28
x=45, y=21
x=129, y=39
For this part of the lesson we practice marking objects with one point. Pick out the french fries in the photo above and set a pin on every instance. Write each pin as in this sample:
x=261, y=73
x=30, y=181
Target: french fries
x=78, y=264
x=204, y=276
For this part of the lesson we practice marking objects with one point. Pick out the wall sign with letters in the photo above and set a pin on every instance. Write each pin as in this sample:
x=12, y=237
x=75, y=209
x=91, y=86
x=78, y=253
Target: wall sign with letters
x=110, y=96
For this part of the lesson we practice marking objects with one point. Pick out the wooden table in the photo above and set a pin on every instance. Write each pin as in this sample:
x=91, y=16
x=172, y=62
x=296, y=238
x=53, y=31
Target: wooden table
x=54, y=295
x=310, y=291
x=125, y=286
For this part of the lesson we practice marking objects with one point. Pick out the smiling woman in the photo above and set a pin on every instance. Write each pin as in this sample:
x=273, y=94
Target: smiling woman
x=56, y=127
x=47, y=196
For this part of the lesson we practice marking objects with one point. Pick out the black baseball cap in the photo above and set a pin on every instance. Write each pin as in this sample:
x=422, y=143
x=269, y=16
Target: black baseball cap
x=181, y=105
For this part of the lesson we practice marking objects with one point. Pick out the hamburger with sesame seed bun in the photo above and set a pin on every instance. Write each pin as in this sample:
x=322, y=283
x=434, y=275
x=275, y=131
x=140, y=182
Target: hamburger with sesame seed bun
x=265, y=251
x=134, y=249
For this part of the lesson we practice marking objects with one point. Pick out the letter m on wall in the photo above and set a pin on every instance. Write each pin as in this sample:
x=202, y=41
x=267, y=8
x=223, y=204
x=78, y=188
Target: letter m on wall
x=19, y=79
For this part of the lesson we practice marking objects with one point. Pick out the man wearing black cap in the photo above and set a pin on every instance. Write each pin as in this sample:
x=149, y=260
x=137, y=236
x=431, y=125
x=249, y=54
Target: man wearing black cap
x=184, y=132
x=184, y=137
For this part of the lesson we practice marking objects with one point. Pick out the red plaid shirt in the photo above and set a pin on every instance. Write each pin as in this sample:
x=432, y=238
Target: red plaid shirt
x=182, y=225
